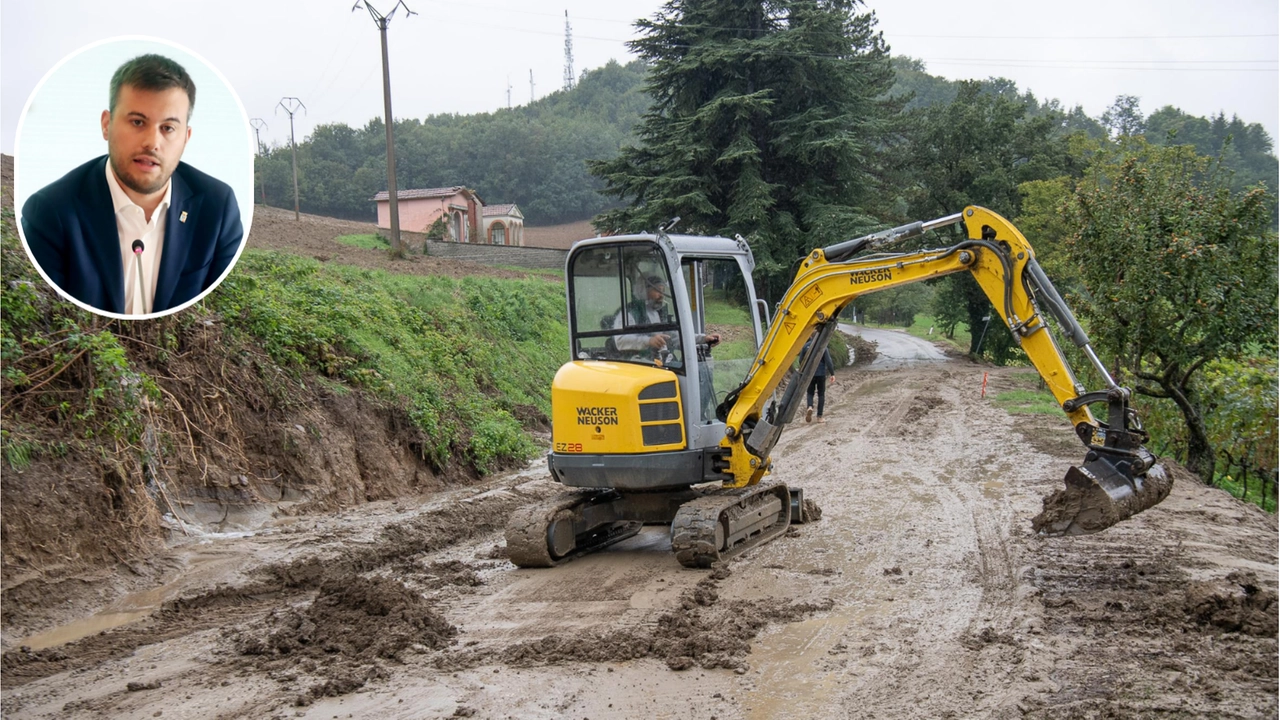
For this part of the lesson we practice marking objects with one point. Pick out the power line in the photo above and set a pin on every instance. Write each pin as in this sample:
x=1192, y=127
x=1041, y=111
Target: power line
x=730, y=28
x=965, y=38
x=258, y=124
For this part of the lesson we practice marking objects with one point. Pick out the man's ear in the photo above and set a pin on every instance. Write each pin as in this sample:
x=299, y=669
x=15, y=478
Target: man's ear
x=106, y=122
x=188, y=135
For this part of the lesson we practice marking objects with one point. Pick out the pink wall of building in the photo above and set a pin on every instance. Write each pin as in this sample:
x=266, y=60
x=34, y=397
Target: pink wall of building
x=417, y=214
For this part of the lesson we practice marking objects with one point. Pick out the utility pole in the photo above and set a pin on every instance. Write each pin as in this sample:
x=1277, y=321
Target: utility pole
x=382, y=21
x=530, y=86
x=568, y=53
x=258, y=125
x=291, y=108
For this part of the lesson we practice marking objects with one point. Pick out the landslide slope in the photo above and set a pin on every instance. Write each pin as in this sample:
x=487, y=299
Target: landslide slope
x=318, y=376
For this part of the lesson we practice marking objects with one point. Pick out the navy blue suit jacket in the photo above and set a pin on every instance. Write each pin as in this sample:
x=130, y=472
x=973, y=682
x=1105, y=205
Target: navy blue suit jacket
x=70, y=226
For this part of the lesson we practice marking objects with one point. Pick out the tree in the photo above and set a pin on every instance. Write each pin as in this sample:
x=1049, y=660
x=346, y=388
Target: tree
x=1124, y=118
x=534, y=155
x=977, y=150
x=1246, y=150
x=768, y=120
x=1181, y=270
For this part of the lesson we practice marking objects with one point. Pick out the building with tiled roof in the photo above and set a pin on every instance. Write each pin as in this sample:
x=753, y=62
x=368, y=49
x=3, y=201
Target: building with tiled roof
x=420, y=208
x=503, y=224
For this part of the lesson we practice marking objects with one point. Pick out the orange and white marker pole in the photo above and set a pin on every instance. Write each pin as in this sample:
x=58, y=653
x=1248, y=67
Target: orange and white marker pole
x=984, y=385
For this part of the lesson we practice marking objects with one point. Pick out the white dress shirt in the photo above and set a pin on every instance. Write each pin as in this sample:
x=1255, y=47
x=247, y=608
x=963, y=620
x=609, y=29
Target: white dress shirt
x=132, y=224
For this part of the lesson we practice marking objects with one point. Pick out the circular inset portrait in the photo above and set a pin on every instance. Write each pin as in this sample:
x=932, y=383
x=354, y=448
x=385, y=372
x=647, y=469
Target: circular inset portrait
x=133, y=177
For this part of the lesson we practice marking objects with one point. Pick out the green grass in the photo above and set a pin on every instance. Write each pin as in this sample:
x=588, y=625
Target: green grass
x=366, y=241
x=719, y=311
x=920, y=328
x=1030, y=398
x=1027, y=402
x=466, y=356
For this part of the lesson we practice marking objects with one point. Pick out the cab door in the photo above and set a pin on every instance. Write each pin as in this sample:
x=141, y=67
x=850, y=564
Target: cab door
x=721, y=303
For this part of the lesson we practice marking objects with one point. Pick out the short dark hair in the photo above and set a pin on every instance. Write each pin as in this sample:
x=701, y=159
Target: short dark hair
x=153, y=73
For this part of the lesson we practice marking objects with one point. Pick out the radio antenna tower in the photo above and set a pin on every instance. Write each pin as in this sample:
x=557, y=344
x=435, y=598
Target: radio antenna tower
x=508, y=92
x=568, y=53
x=531, y=85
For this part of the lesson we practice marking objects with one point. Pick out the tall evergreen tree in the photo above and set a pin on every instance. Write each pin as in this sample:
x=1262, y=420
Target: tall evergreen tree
x=767, y=119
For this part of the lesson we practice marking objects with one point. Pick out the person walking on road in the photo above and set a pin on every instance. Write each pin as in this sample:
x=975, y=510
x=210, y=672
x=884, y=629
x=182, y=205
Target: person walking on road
x=826, y=369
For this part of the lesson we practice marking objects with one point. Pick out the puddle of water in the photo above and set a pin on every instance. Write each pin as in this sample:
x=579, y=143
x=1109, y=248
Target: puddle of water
x=993, y=488
x=134, y=606
x=874, y=387
x=793, y=683
x=82, y=628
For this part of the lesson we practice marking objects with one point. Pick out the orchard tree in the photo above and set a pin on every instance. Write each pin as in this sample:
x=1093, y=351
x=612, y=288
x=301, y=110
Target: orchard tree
x=1181, y=270
x=768, y=120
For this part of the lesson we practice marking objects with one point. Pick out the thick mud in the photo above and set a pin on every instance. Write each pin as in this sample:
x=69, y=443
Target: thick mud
x=924, y=591
x=1084, y=506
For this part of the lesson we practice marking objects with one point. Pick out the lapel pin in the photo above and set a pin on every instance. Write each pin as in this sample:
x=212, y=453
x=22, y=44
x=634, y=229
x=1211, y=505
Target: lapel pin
x=183, y=217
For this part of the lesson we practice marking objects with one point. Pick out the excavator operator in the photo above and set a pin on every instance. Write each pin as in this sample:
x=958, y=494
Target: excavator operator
x=652, y=310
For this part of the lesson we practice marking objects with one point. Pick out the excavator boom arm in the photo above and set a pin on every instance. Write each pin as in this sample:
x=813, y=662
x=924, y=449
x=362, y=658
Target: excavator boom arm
x=1003, y=263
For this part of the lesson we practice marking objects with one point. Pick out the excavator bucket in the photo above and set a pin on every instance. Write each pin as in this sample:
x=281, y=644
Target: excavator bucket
x=1099, y=494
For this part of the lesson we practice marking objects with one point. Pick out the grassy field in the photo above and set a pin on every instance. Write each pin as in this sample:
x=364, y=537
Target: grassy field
x=366, y=241
x=1031, y=397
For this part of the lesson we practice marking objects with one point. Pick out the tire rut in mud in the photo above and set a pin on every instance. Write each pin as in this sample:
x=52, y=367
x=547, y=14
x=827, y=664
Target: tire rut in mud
x=1146, y=637
x=703, y=630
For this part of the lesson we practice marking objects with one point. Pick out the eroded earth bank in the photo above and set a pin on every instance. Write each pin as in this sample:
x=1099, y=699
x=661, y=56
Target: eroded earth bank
x=921, y=592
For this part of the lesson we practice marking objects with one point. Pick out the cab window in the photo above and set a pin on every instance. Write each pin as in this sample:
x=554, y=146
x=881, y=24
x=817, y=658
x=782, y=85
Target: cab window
x=623, y=307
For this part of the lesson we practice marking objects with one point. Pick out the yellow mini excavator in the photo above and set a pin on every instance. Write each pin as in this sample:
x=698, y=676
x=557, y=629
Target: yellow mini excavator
x=651, y=425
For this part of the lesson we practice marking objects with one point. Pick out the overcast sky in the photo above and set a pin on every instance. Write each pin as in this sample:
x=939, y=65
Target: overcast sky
x=456, y=56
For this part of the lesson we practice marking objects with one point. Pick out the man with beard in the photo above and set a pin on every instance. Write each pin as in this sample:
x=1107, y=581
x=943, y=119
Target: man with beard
x=137, y=231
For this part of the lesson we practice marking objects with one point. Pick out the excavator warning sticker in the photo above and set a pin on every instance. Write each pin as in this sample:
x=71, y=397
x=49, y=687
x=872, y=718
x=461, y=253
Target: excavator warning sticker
x=861, y=277
x=811, y=297
x=597, y=416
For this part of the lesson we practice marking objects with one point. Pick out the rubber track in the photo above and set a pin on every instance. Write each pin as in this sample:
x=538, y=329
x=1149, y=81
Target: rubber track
x=693, y=532
x=526, y=532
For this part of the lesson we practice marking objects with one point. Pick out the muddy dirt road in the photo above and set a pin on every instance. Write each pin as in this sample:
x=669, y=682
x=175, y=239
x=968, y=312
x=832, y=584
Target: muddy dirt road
x=920, y=593
x=895, y=348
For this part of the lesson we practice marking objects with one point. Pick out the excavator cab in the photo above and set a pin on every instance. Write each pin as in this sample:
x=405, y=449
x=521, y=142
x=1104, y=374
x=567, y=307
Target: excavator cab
x=677, y=318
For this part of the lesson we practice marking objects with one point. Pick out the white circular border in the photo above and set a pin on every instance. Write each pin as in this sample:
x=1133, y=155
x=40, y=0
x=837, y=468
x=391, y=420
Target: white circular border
x=245, y=221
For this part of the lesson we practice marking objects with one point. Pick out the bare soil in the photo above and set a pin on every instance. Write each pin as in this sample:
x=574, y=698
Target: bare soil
x=314, y=236
x=921, y=592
